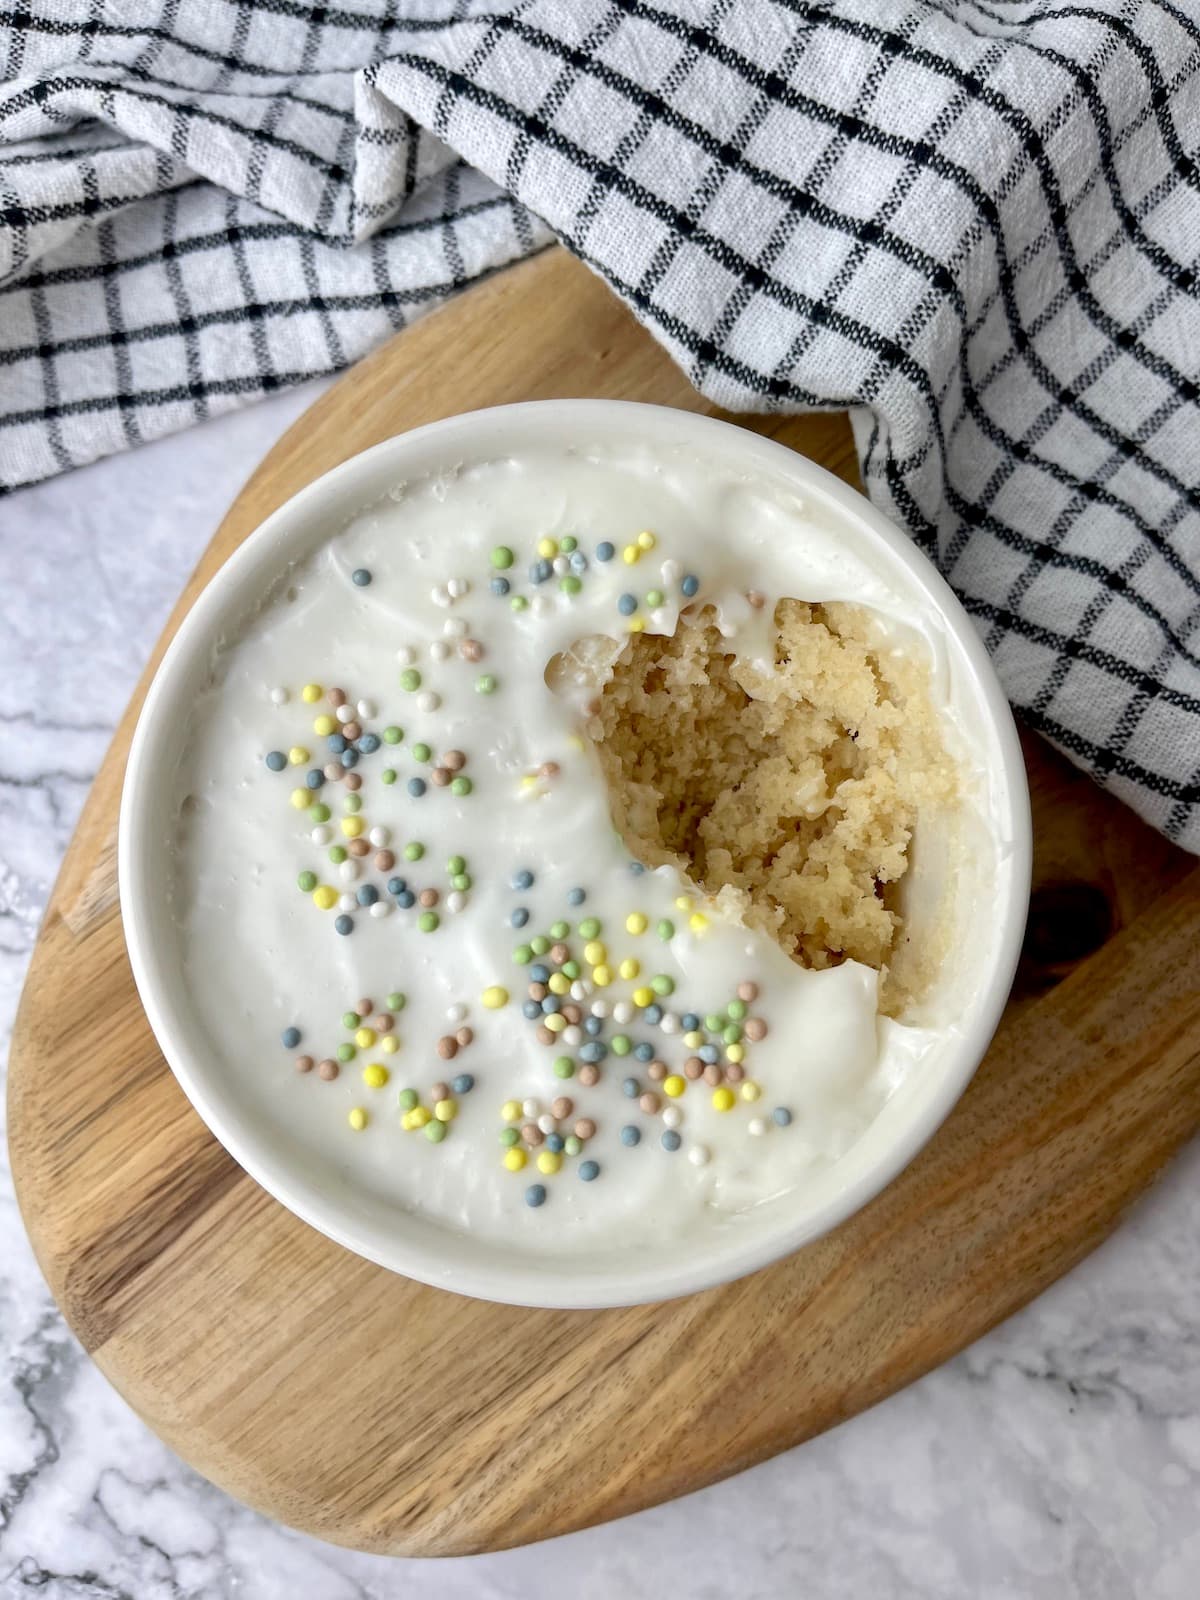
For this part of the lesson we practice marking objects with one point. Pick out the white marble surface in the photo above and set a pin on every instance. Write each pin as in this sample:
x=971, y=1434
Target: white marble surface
x=1059, y=1457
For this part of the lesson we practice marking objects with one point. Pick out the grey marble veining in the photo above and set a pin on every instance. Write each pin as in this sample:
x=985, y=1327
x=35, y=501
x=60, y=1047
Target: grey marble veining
x=1059, y=1457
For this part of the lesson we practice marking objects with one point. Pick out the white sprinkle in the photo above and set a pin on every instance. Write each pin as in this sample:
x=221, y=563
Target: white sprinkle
x=599, y=1008
x=406, y=655
x=348, y=871
x=455, y=900
x=756, y=1126
x=427, y=700
x=439, y=650
x=571, y=1035
x=623, y=1011
x=381, y=908
x=379, y=836
x=345, y=713
x=347, y=902
x=529, y=1108
x=457, y=1012
x=366, y=708
x=280, y=696
x=561, y=566
x=578, y=992
x=698, y=1155
x=440, y=596
x=539, y=605
x=669, y=1022
x=321, y=835
x=455, y=627
x=672, y=1116
x=547, y=1123
x=670, y=571
x=458, y=587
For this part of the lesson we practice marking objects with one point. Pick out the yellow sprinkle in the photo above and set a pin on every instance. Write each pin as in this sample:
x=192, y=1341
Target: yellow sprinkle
x=723, y=1099
x=529, y=781
x=594, y=952
x=750, y=1090
x=376, y=1075
x=364, y=1038
x=407, y=1123
x=575, y=742
x=693, y=1040
x=556, y=1022
x=325, y=898
x=446, y=1110
x=325, y=726
x=635, y=922
x=559, y=983
x=646, y=541
x=549, y=1162
x=698, y=922
x=629, y=968
x=419, y=1116
x=494, y=997
x=547, y=548
x=298, y=755
x=601, y=976
x=357, y=1119
x=674, y=1085
x=735, y=1053
x=389, y=1044
x=301, y=798
x=514, y=1159
x=510, y=1110
x=637, y=625
x=643, y=996
x=630, y=555
x=352, y=827
x=683, y=902
x=310, y=693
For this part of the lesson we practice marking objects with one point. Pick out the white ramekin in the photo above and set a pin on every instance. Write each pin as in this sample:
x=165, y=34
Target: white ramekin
x=420, y=1249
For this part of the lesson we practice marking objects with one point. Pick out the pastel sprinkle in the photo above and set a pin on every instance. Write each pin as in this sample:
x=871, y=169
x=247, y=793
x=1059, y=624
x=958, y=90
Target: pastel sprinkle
x=535, y=1195
x=494, y=997
x=502, y=557
x=361, y=576
x=588, y=1171
x=357, y=1118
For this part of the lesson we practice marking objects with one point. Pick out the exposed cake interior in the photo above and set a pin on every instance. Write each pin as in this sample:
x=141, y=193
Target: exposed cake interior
x=794, y=793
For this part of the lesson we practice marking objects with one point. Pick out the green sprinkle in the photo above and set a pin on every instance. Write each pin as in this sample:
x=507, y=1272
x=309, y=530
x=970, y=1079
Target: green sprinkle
x=414, y=850
x=589, y=928
x=461, y=880
x=572, y=1144
x=731, y=1033
x=307, y=881
x=712, y=1022
x=736, y=1010
x=421, y=752
x=559, y=930
x=319, y=812
x=337, y=854
x=352, y=803
x=410, y=679
x=570, y=969
x=568, y=543
x=662, y=985
x=620, y=1044
x=665, y=929
x=428, y=921
x=485, y=683
x=570, y=584
x=392, y=734
x=518, y=602
x=435, y=1131
x=508, y=1137
x=396, y=1001
x=539, y=944
x=461, y=786
x=455, y=865
x=346, y=1052
x=408, y=1099
x=654, y=598
x=522, y=955
x=502, y=558
x=388, y=775
x=564, y=1067
x=350, y=1019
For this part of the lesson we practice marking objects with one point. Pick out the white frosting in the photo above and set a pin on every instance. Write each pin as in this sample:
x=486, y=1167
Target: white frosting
x=259, y=956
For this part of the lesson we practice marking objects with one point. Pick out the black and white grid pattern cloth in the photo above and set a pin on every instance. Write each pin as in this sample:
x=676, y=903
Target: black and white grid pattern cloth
x=975, y=223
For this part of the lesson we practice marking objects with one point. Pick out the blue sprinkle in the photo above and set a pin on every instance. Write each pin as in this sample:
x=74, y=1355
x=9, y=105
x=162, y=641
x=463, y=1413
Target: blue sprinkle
x=605, y=551
x=368, y=895
x=276, y=760
x=369, y=743
x=349, y=758
x=593, y=1051
x=576, y=897
x=406, y=900
x=579, y=562
x=627, y=605
x=397, y=885
x=589, y=1170
x=644, y=1051
x=314, y=778
x=499, y=586
x=519, y=917
x=631, y=1088
x=592, y=1026
x=637, y=868
x=690, y=585
x=290, y=1037
x=540, y=571
x=652, y=1015
x=522, y=879
x=361, y=577
x=416, y=787
x=535, y=1195
x=531, y=1009
x=689, y=1022
x=631, y=1135
x=554, y=1143
x=709, y=1054
x=336, y=743
x=671, y=1140
x=539, y=973
x=344, y=924
x=551, y=1004
x=782, y=1116
x=463, y=1083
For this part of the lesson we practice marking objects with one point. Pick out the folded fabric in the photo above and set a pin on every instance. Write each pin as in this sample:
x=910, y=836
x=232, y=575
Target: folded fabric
x=972, y=224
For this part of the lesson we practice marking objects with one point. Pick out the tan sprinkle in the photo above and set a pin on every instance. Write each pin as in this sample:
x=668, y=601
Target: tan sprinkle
x=648, y=1103
x=383, y=1023
x=693, y=1067
x=333, y=770
x=336, y=697
x=328, y=1070
x=755, y=1028
x=572, y=1014
x=471, y=650
x=756, y=599
x=712, y=1074
x=353, y=781
x=549, y=769
x=585, y=1127
x=559, y=953
x=440, y=777
x=531, y=1133
x=589, y=1076
x=544, y=1036
x=464, y=1037
x=563, y=1106
x=439, y=1091
x=358, y=847
x=454, y=760
x=734, y=1073
x=352, y=730
x=747, y=992
x=447, y=1048
x=538, y=992
x=656, y=1071
x=385, y=860
x=428, y=898
x=304, y=1063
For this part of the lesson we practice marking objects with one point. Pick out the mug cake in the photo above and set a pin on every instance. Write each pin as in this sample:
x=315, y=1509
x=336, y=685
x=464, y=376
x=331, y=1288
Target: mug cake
x=585, y=859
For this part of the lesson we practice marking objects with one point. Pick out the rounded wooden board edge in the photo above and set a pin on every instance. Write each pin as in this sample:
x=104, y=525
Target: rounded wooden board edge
x=489, y=1502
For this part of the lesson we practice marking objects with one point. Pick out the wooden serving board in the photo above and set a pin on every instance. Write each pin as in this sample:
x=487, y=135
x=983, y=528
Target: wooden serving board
x=377, y=1413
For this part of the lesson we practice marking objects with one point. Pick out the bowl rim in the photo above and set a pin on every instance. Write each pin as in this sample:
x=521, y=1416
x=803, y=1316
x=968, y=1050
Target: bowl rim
x=508, y=1283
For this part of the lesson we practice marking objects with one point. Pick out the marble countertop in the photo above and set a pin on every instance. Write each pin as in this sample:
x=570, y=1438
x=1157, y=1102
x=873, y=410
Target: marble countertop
x=1058, y=1457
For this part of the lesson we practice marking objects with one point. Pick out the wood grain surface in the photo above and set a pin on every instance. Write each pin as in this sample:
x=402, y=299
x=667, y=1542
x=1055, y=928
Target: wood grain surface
x=381, y=1414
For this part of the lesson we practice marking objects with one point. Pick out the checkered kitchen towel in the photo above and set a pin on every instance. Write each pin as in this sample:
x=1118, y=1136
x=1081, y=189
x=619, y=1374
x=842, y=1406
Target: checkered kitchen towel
x=974, y=222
